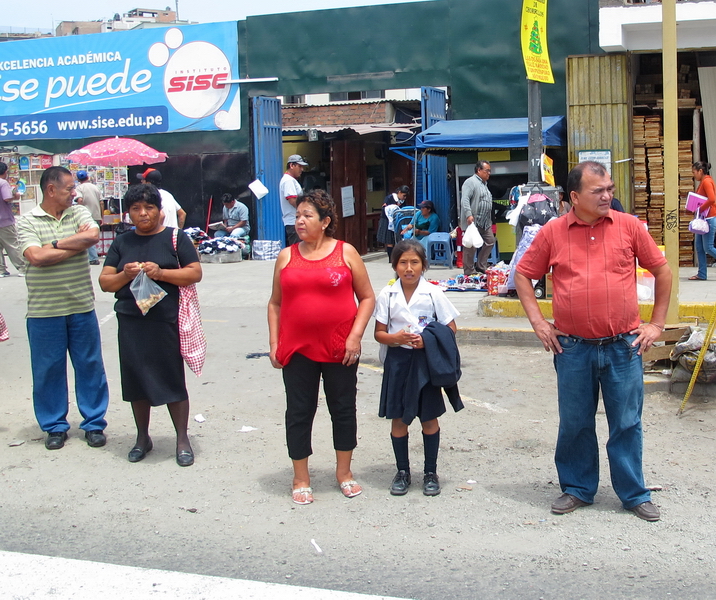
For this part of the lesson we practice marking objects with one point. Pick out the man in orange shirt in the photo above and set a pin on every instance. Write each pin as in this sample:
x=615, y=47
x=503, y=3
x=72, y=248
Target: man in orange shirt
x=597, y=337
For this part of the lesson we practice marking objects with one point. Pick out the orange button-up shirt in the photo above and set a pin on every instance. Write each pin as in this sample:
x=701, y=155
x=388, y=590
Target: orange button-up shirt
x=593, y=271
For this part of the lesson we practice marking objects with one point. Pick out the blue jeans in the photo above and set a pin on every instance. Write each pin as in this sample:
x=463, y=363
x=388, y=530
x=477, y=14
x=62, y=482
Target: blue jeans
x=705, y=244
x=51, y=338
x=581, y=370
x=239, y=232
x=92, y=253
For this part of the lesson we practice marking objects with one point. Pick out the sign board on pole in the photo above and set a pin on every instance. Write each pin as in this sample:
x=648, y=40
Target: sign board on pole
x=534, y=41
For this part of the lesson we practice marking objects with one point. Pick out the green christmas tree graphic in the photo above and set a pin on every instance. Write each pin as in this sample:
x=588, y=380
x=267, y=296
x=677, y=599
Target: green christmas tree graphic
x=535, y=43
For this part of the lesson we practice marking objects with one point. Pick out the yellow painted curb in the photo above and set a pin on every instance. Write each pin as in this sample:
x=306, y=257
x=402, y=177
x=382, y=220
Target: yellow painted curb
x=494, y=306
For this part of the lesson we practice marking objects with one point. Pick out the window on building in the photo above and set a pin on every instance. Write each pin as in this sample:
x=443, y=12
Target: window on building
x=347, y=96
x=297, y=99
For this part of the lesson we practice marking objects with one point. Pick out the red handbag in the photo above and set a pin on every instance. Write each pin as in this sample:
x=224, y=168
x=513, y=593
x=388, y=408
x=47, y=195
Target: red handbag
x=191, y=332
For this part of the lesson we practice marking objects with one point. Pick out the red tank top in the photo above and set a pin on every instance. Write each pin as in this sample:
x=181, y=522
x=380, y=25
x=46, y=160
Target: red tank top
x=318, y=307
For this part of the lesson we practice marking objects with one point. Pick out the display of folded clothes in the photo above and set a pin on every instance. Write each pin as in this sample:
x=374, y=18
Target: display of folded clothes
x=197, y=234
x=222, y=244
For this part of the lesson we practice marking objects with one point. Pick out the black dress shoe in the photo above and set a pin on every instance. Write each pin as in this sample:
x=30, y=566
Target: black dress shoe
x=95, y=438
x=401, y=483
x=185, y=458
x=136, y=454
x=431, y=484
x=55, y=440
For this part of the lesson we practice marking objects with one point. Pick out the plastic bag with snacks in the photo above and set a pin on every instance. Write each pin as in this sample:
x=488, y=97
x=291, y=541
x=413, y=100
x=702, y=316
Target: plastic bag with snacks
x=146, y=292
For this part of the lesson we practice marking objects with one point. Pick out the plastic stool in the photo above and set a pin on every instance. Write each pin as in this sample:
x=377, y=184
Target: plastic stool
x=494, y=255
x=439, y=247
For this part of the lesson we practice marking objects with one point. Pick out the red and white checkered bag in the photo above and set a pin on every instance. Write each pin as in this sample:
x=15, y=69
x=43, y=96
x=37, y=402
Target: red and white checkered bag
x=191, y=332
x=4, y=334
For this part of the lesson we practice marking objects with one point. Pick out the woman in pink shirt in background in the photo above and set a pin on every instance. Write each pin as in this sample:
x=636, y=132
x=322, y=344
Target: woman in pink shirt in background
x=705, y=243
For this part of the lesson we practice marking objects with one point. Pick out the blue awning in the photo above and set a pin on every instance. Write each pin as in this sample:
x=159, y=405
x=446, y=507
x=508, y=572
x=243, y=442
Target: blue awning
x=475, y=134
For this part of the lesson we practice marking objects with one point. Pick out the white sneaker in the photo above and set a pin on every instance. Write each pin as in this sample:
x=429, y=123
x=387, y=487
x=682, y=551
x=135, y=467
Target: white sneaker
x=5, y=274
x=20, y=274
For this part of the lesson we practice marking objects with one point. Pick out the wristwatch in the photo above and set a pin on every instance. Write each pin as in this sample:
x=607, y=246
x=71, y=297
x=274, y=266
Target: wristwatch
x=54, y=244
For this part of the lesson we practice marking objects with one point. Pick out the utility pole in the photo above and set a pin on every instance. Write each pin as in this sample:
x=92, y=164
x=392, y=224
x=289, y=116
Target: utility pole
x=671, y=153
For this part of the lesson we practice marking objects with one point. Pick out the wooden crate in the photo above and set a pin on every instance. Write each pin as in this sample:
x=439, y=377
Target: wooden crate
x=670, y=335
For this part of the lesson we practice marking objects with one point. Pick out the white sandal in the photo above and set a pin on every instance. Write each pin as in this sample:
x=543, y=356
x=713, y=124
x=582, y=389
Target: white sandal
x=346, y=488
x=302, y=495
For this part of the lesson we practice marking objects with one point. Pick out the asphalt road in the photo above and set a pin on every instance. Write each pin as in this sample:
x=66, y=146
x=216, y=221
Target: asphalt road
x=489, y=534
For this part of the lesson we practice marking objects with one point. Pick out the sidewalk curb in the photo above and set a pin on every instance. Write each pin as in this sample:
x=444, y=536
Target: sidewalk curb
x=495, y=306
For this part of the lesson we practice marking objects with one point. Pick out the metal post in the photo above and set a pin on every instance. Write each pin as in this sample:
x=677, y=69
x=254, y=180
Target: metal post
x=671, y=153
x=534, y=131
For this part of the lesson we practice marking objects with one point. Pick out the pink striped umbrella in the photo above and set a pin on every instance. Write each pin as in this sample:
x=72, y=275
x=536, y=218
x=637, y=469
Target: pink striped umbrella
x=116, y=152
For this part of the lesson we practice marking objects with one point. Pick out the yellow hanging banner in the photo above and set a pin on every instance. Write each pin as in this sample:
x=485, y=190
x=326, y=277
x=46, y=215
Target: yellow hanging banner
x=534, y=41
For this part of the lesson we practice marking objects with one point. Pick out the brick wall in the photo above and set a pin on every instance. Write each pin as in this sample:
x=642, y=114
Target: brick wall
x=335, y=115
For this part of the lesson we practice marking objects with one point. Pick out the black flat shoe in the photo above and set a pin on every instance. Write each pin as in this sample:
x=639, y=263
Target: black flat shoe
x=136, y=454
x=185, y=458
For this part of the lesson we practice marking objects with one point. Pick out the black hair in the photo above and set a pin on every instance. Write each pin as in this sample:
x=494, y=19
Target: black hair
x=3, y=168
x=324, y=205
x=574, y=179
x=403, y=189
x=142, y=192
x=409, y=245
x=53, y=175
x=698, y=166
x=226, y=198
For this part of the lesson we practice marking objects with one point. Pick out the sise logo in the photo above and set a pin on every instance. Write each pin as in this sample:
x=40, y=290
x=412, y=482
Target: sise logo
x=193, y=76
x=198, y=83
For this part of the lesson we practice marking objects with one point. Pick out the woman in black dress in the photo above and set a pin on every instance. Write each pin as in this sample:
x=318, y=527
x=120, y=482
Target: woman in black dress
x=150, y=361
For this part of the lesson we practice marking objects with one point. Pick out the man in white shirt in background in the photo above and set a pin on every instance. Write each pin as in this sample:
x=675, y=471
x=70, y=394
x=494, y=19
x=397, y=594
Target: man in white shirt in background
x=174, y=215
x=88, y=195
x=290, y=189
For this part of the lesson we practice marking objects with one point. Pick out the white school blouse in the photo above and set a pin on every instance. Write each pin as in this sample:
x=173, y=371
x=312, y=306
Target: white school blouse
x=427, y=302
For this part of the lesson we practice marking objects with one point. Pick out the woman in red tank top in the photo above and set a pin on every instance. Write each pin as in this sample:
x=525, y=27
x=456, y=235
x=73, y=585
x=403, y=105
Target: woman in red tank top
x=315, y=330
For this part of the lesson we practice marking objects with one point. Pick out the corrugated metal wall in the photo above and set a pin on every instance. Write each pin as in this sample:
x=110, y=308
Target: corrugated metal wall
x=599, y=113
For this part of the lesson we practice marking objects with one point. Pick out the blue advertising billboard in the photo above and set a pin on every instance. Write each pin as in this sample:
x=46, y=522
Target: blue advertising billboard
x=123, y=83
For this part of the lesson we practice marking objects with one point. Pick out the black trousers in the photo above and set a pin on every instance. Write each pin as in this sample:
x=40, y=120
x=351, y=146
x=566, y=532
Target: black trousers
x=291, y=235
x=302, y=376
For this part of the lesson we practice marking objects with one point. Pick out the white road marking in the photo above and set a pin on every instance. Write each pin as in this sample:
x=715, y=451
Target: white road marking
x=34, y=576
x=105, y=319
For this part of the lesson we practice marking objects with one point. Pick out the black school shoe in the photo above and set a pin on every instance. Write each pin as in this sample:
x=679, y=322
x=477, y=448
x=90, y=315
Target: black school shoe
x=431, y=484
x=401, y=483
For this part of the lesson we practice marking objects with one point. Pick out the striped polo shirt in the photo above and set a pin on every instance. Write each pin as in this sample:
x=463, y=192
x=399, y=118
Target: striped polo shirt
x=65, y=288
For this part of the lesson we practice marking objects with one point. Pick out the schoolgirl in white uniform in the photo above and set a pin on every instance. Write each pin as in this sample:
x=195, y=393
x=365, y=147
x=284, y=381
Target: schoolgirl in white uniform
x=402, y=312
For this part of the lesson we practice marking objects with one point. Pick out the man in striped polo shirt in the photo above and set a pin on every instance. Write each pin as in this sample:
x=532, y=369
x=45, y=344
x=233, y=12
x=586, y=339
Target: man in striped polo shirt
x=54, y=238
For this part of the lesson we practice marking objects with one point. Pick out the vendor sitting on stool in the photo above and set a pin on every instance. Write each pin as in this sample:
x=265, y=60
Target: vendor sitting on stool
x=426, y=222
x=235, y=218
